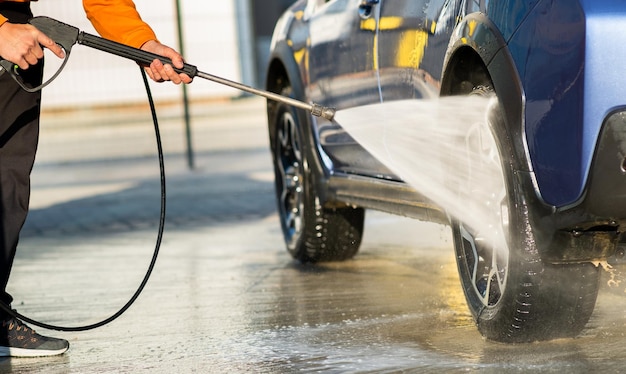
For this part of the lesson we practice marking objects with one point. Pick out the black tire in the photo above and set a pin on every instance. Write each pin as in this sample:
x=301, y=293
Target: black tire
x=512, y=294
x=312, y=232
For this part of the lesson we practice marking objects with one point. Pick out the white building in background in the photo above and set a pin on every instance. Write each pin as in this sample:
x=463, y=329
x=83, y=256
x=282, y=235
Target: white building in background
x=218, y=40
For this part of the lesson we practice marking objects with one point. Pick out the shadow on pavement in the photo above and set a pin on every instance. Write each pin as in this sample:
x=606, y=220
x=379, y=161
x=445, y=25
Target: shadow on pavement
x=195, y=198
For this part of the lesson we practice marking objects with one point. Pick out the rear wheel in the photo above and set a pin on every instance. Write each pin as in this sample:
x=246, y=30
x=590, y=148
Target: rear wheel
x=513, y=295
x=312, y=232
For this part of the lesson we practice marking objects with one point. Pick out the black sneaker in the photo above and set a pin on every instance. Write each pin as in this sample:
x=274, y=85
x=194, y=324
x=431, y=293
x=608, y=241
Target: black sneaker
x=19, y=340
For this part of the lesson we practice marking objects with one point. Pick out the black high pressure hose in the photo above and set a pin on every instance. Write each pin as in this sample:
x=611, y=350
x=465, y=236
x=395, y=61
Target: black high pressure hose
x=66, y=36
x=155, y=254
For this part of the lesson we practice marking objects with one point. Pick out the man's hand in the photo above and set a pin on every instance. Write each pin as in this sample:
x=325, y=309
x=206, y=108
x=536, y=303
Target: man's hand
x=22, y=44
x=159, y=72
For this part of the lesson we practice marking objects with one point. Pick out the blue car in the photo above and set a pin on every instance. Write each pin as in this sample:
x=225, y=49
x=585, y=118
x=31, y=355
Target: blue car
x=556, y=130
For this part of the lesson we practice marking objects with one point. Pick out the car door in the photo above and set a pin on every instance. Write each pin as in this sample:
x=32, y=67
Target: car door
x=413, y=37
x=341, y=65
x=342, y=73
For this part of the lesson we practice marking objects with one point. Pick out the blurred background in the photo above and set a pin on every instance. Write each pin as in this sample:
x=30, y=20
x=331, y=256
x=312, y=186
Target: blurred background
x=228, y=38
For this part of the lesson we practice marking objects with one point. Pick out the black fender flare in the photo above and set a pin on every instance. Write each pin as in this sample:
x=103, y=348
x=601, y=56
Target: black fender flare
x=479, y=33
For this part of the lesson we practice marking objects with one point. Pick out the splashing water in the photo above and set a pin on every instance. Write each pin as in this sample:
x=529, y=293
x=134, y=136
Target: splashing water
x=444, y=149
x=615, y=276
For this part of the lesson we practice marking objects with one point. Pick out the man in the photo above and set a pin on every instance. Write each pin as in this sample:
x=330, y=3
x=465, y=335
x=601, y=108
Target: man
x=23, y=44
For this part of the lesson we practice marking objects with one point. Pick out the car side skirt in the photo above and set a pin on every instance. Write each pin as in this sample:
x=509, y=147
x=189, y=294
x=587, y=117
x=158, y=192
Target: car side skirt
x=384, y=195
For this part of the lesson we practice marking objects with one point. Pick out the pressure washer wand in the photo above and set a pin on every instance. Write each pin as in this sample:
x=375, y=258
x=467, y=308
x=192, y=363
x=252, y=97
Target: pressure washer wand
x=66, y=36
x=315, y=109
x=145, y=58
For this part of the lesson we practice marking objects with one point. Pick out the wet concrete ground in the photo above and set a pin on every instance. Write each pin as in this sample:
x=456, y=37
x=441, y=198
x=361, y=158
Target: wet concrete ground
x=225, y=296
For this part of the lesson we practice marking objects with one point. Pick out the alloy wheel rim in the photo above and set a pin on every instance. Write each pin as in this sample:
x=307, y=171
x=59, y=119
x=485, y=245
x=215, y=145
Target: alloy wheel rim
x=485, y=247
x=290, y=179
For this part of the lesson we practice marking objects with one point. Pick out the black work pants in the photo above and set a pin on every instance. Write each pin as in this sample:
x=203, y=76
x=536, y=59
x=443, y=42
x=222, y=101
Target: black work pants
x=19, y=133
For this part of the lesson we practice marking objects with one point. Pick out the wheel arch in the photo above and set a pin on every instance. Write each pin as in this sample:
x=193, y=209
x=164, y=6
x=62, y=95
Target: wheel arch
x=284, y=70
x=478, y=55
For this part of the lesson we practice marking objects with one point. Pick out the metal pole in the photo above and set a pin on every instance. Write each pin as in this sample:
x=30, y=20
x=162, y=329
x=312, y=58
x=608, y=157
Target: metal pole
x=181, y=47
x=245, y=41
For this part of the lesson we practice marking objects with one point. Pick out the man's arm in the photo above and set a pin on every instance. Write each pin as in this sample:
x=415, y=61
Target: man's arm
x=119, y=20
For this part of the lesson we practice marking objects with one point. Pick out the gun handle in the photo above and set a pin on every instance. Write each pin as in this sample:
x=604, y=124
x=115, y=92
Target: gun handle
x=63, y=34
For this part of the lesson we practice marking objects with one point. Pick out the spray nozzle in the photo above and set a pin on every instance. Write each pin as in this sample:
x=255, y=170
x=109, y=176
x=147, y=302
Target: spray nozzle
x=322, y=111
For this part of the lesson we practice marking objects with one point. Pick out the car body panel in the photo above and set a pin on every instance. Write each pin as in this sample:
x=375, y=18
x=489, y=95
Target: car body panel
x=549, y=50
x=605, y=88
x=570, y=67
x=341, y=78
x=413, y=39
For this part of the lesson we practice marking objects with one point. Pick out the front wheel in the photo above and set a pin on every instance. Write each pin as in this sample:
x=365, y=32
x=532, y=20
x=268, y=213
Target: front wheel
x=312, y=232
x=512, y=294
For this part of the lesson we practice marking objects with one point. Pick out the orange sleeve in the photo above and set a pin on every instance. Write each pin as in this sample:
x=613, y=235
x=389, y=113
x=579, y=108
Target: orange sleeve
x=118, y=20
